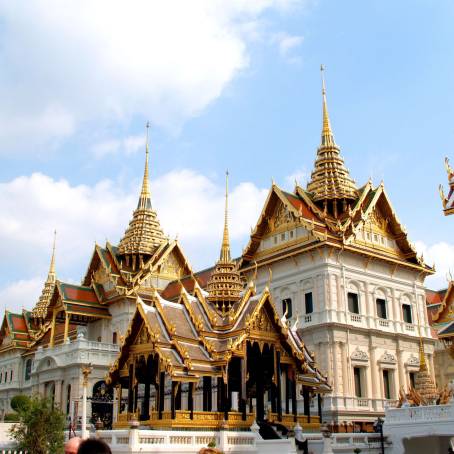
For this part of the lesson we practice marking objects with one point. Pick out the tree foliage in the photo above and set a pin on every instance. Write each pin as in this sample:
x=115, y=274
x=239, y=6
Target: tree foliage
x=41, y=427
x=20, y=401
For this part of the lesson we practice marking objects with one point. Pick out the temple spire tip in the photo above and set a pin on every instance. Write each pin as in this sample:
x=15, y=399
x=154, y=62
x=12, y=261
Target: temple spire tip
x=225, y=249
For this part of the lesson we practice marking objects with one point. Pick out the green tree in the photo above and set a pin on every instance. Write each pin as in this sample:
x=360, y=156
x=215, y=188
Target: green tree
x=20, y=401
x=41, y=427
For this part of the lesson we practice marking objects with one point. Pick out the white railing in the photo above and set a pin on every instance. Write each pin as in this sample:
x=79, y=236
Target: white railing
x=307, y=318
x=409, y=327
x=362, y=402
x=356, y=318
x=383, y=323
x=177, y=440
x=347, y=442
x=430, y=413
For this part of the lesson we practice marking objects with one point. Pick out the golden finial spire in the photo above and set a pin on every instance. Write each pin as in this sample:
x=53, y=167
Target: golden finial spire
x=52, y=260
x=422, y=356
x=144, y=201
x=327, y=133
x=40, y=309
x=225, y=248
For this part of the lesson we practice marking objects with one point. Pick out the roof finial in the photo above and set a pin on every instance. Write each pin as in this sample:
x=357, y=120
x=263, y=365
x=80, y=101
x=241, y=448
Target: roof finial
x=327, y=133
x=225, y=249
x=52, y=261
x=144, y=201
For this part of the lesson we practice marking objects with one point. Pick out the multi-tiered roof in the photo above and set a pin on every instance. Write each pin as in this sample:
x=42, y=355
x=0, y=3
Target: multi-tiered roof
x=144, y=235
x=330, y=180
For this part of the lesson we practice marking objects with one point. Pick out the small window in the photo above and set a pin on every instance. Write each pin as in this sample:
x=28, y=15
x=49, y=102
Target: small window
x=291, y=234
x=1, y=376
x=28, y=369
x=11, y=375
x=353, y=303
x=386, y=384
x=358, y=384
x=275, y=240
x=309, y=303
x=381, y=307
x=287, y=307
x=412, y=379
x=114, y=337
x=406, y=311
x=99, y=338
x=282, y=236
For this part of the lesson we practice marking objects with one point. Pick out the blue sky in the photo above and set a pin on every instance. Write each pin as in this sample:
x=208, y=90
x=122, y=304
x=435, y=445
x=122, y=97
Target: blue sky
x=225, y=85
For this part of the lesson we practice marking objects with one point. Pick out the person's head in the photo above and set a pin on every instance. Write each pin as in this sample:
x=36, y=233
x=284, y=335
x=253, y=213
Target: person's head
x=72, y=445
x=94, y=446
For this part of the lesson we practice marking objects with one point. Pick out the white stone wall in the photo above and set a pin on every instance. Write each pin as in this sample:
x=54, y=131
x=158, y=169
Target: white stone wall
x=342, y=340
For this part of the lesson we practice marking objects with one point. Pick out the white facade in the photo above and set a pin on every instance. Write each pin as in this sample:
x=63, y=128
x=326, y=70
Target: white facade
x=381, y=349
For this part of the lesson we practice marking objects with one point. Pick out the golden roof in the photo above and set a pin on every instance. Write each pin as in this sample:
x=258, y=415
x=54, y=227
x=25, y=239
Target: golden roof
x=224, y=285
x=144, y=234
x=40, y=310
x=330, y=179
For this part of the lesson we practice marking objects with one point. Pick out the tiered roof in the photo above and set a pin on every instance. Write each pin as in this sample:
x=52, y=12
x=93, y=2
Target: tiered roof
x=333, y=212
x=193, y=339
x=330, y=179
x=224, y=286
x=40, y=309
x=17, y=330
x=144, y=235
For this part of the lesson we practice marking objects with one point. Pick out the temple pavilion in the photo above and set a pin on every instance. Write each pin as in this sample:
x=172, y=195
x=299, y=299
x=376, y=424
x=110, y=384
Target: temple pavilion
x=220, y=357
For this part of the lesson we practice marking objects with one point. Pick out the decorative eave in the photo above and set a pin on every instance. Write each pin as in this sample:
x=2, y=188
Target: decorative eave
x=446, y=303
x=448, y=201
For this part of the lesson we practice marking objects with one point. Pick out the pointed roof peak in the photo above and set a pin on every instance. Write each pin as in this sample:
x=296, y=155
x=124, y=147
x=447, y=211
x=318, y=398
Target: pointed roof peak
x=225, y=248
x=40, y=309
x=144, y=234
x=145, y=194
x=52, y=260
x=330, y=179
x=224, y=285
x=327, y=133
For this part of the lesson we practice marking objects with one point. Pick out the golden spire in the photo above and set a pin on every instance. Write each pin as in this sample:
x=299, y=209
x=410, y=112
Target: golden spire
x=224, y=285
x=144, y=234
x=327, y=133
x=225, y=248
x=330, y=179
x=40, y=309
x=145, y=196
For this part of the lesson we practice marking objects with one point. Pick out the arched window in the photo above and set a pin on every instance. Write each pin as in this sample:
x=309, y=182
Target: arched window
x=68, y=399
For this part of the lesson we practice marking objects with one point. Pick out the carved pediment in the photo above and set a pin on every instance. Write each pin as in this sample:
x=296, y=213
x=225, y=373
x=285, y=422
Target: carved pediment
x=412, y=361
x=379, y=221
x=261, y=322
x=281, y=217
x=172, y=266
x=388, y=358
x=359, y=355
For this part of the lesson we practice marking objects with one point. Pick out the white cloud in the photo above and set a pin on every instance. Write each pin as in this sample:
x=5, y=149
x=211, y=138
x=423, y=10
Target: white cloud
x=128, y=146
x=301, y=176
x=288, y=46
x=65, y=64
x=188, y=204
x=20, y=294
x=442, y=254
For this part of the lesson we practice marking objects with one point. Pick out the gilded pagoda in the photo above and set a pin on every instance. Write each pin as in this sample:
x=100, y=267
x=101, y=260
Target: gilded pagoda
x=220, y=357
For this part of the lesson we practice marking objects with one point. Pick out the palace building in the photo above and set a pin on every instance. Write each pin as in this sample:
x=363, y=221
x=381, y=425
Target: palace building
x=345, y=272
x=328, y=283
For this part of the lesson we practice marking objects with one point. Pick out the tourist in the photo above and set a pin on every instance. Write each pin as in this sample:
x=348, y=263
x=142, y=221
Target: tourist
x=72, y=445
x=94, y=446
